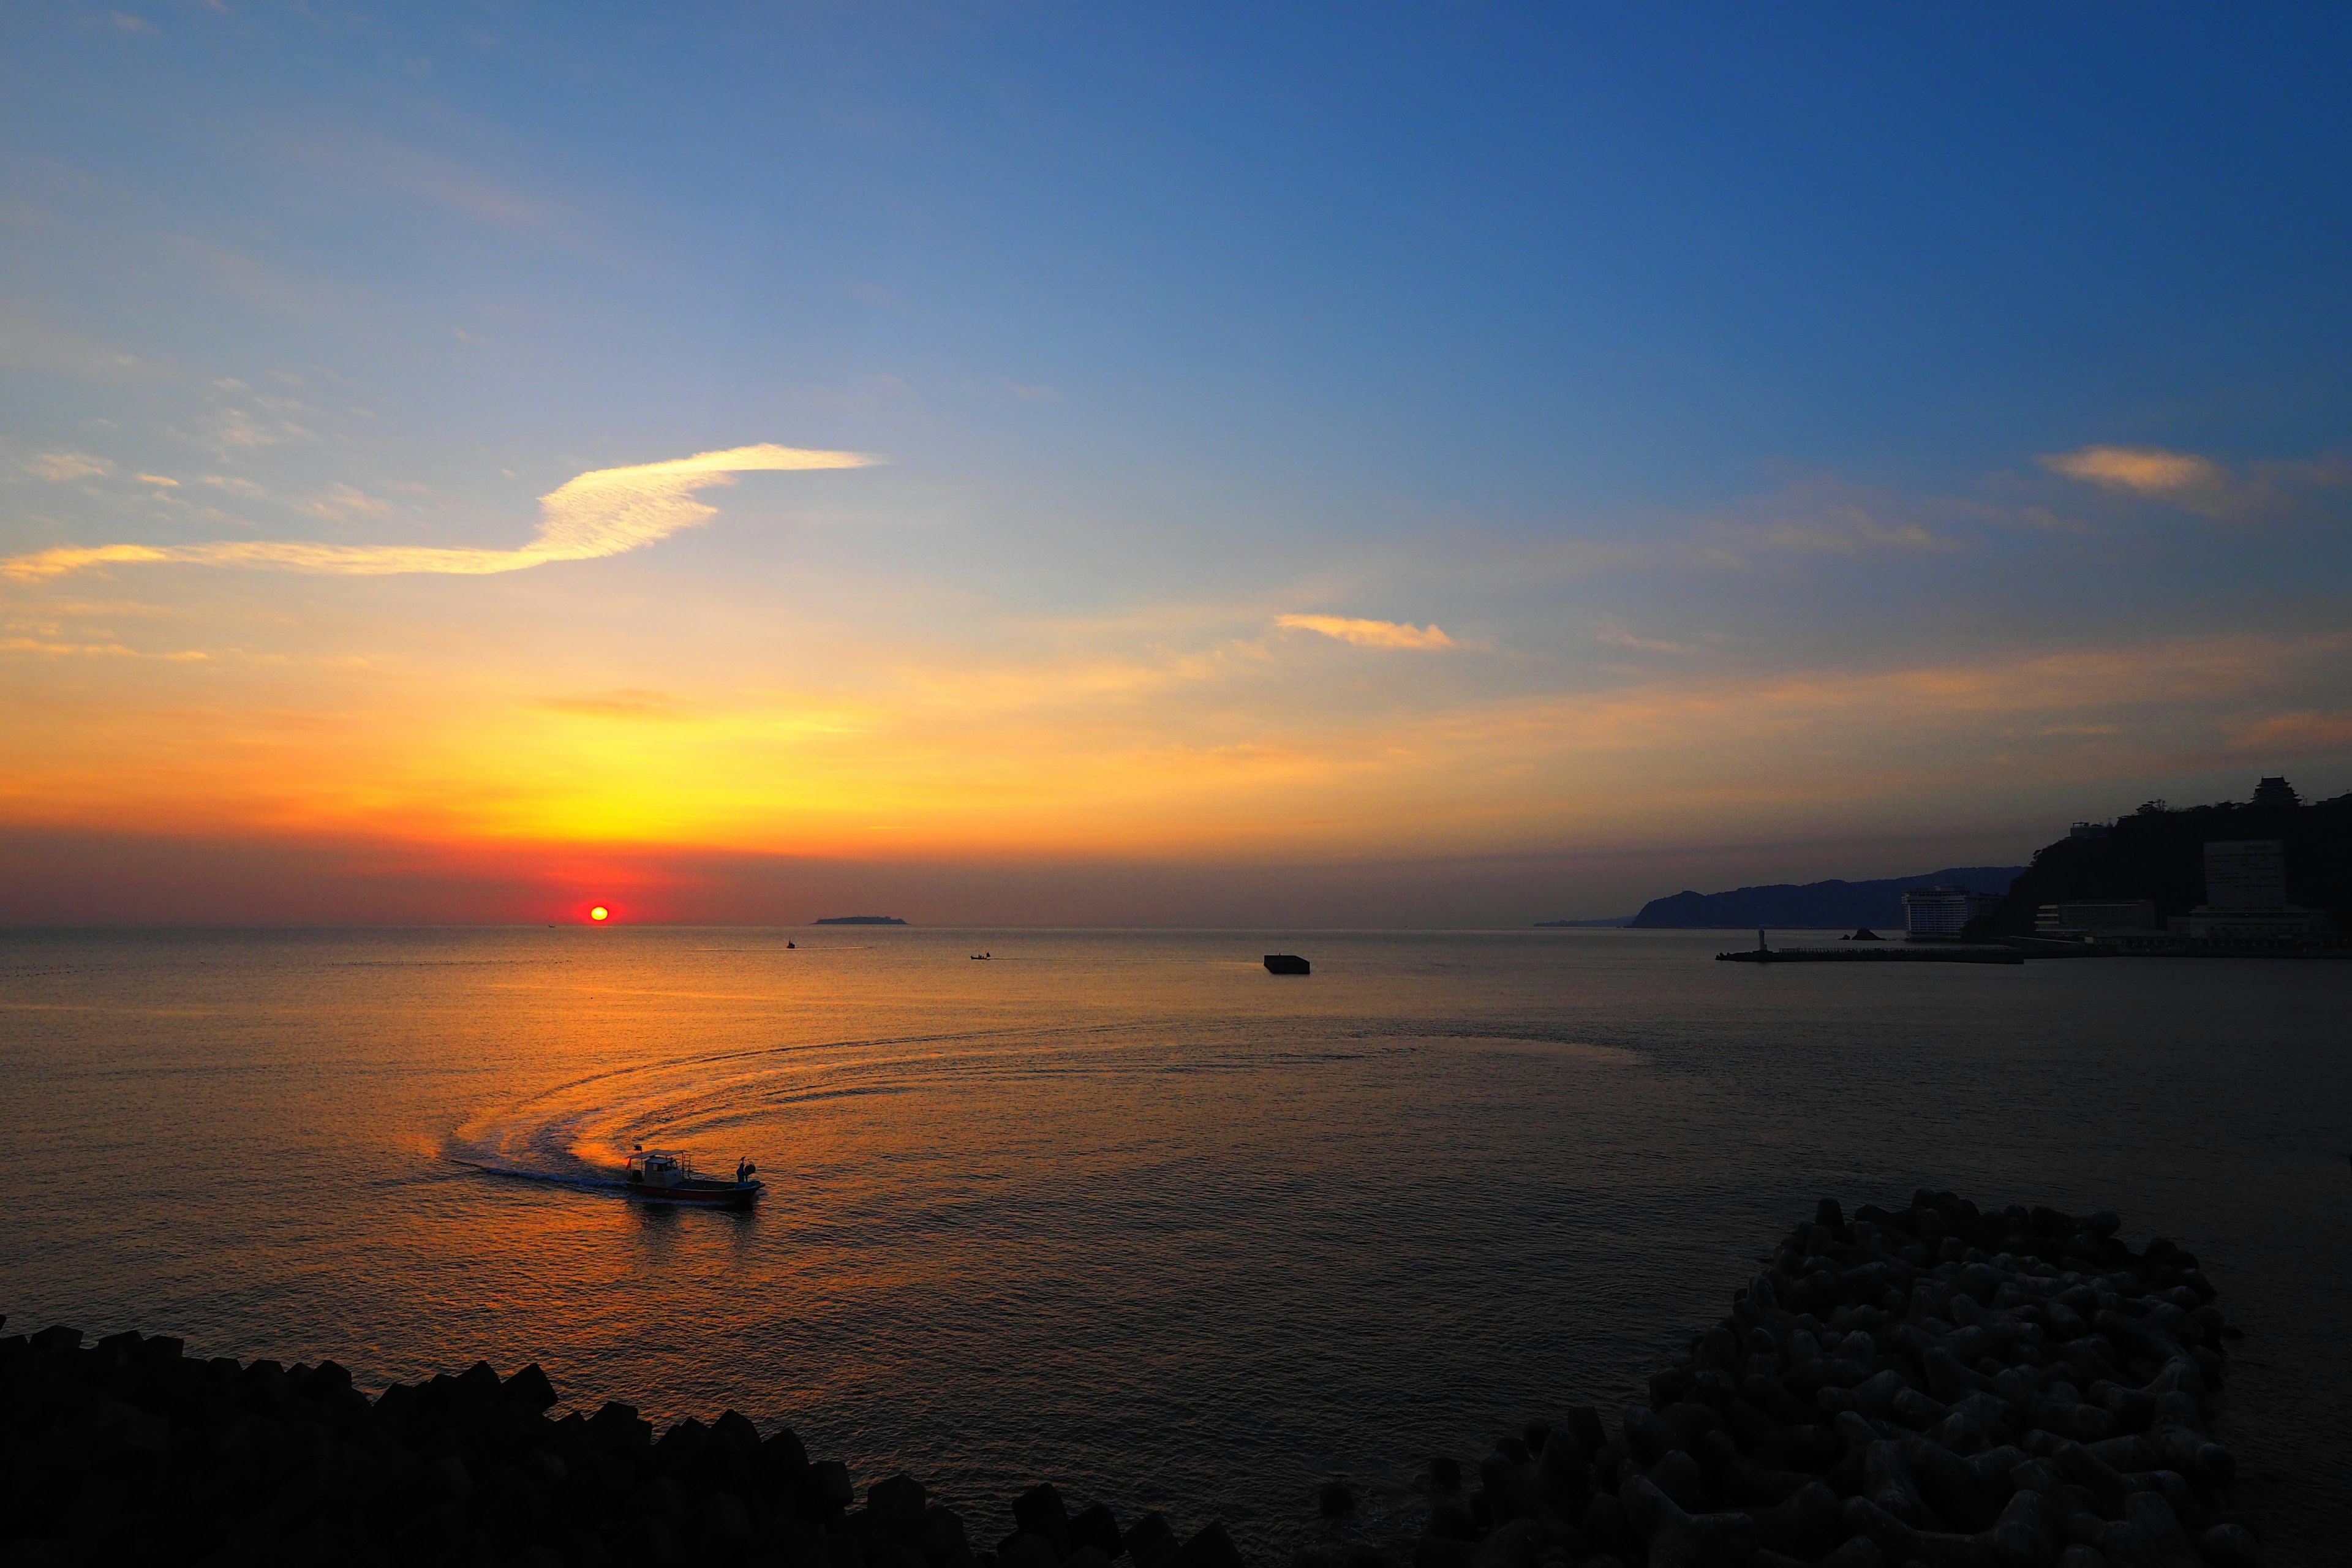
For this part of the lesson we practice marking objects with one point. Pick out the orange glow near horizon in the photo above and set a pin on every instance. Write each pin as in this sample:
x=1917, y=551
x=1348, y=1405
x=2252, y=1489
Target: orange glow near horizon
x=374, y=732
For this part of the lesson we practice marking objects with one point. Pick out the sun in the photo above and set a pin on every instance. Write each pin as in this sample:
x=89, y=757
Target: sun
x=600, y=912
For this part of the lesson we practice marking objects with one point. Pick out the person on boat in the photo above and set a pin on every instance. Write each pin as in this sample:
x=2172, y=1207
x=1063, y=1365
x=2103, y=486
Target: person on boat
x=743, y=1170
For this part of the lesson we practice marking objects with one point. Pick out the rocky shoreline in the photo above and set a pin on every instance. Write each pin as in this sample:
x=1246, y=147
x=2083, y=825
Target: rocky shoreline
x=1941, y=1385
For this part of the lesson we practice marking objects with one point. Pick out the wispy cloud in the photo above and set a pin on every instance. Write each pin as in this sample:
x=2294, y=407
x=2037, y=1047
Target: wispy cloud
x=606, y=511
x=2199, y=484
x=1821, y=517
x=1369, y=633
x=32, y=340
x=60, y=467
x=1851, y=532
x=341, y=503
x=2301, y=732
x=2144, y=470
x=1617, y=636
x=48, y=648
x=451, y=185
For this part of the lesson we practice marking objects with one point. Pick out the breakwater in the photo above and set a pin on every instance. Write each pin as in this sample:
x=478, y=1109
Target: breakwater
x=1939, y=1386
x=1870, y=955
x=1942, y=1385
x=129, y=1451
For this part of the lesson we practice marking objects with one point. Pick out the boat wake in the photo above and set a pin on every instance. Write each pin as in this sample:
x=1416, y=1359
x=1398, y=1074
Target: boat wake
x=742, y=1102
x=723, y=1103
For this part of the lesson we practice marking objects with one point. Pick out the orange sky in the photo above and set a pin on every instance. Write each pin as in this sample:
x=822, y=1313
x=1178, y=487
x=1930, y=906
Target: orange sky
x=1113, y=467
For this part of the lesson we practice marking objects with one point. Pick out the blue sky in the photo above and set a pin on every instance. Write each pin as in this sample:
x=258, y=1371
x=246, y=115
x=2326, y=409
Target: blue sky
x=1676, y=361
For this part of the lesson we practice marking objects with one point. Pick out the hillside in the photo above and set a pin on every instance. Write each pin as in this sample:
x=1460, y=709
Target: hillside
x=1815, y=906
x=2158, y=854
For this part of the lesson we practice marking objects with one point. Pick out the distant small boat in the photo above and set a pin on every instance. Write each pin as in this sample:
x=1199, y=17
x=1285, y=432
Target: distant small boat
x=979, y=957
x=1286, y=964
x=664, y=1176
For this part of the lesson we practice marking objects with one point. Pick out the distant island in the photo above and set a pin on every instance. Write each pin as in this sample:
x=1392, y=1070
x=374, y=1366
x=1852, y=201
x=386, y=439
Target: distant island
x=1563, y=925
x=1811, y=906
x=860, y=920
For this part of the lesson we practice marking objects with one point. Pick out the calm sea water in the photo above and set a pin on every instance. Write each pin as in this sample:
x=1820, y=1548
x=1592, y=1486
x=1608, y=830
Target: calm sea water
x=1119, y=1209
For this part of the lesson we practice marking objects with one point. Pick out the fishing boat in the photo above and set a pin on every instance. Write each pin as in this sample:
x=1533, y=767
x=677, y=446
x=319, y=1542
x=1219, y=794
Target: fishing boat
x=664, y=1176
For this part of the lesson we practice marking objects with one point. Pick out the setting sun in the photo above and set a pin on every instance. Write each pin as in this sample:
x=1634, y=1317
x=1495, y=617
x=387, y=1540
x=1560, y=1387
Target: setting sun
x=599, y=912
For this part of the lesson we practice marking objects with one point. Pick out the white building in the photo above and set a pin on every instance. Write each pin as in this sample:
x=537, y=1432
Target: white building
x=2245, y=898
x=2246, y=874
x=1938, y=914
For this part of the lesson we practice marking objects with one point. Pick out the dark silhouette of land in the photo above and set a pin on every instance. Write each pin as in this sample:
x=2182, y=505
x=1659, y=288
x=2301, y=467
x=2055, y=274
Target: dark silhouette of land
x=1814, y=906
x=2157, y=854
x=860, y=920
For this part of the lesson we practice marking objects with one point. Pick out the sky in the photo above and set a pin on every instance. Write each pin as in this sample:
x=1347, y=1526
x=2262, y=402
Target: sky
x=1364, y=465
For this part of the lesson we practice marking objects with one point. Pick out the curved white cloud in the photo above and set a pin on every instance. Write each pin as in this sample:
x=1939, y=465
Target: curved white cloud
x=603, y=513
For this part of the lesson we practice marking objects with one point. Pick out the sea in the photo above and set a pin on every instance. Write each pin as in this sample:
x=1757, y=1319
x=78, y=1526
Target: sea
x=1121, y=1210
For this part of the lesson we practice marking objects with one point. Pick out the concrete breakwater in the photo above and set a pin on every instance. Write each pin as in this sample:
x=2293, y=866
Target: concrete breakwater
x=1942, y=1385
x=129, y=1452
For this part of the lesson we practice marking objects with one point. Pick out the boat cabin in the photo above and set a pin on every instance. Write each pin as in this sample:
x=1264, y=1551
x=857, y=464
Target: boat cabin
x=658, y=1168
x=673, y=1174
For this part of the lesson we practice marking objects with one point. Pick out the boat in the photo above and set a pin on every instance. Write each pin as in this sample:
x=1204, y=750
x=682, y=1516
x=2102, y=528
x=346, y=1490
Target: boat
x=664, y=1176
x=1286, y=964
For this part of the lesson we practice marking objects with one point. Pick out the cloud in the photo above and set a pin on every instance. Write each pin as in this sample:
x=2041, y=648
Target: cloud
x=607, y=512
x=261, y=283
x=2143, y=470
x=341, y=503
x=1617, y=636
x=29, y=340
x=1823, y=518
x=2305, y=731
x=2265, y=491
x=1850, y=533
x=63, y=466
x=51, y=649
x=1369, y=633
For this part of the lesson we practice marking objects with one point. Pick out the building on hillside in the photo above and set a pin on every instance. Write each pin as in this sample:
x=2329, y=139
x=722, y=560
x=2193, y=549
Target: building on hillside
x=1940, y=913
x=2245, y=899
x=2276, y=792
x=2093, y=918
x=2246, y=874
x=2089, y=830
